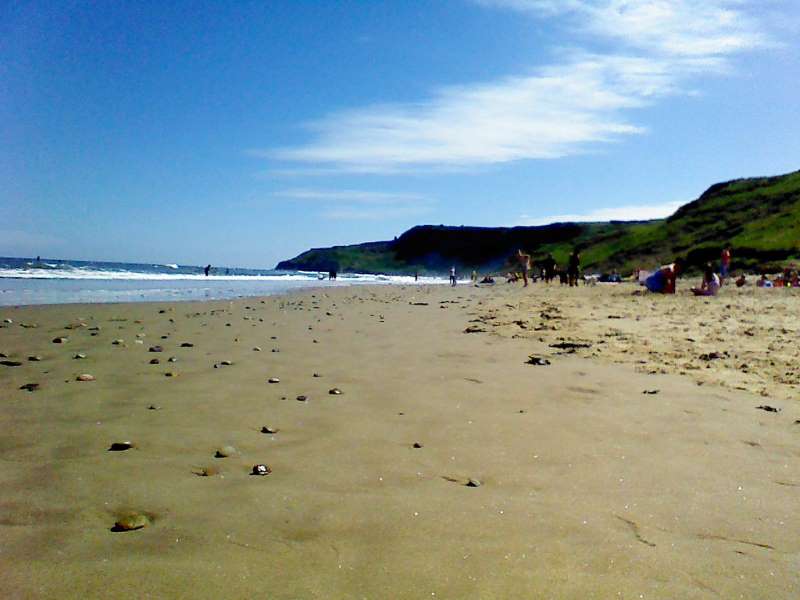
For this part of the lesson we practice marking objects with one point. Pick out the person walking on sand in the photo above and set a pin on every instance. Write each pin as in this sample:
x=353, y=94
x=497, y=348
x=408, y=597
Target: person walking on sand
x=573, y=267
x=524, y=261
x=725, y=264
x=453, y=280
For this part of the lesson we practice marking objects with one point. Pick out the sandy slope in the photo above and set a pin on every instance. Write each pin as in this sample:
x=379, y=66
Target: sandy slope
x=590, y=488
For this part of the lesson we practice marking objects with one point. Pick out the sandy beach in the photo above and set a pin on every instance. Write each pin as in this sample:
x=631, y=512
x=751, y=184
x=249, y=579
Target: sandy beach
x=650, y=448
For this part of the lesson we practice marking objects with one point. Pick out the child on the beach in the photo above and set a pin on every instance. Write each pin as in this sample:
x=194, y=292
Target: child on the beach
x=710, y=284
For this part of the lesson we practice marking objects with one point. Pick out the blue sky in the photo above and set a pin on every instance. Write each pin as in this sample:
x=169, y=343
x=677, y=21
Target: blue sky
x=242, y=133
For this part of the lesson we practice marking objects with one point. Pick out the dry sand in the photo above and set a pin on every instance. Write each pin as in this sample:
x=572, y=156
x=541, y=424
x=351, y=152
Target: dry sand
x=590, y=488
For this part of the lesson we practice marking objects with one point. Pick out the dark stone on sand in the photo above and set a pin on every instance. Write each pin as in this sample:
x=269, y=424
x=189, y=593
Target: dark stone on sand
x=537, y=360
x=172, y=359
x=256, y=349
x=570, y=345
x=155, y=361
x=34, y=358
x=10, y=363
x=302, y=398
x=156, y=349
x=473, y=483
x=79, y=356
x=273, y=380
x=768, y=408
x=273, y=337
x=267, y=429
x=226, y=363
x=3, y=355
x=261, y=470
x=316, y=375
x=417, y=445
x=187, y=345
x=153, y=407
x=276, y=349
x=651, y=391
x=120, y=446
x=474, y=329
x=335, y=392
x=60, y=340
x=170, y=374
x=710, y=356
x=29, y=387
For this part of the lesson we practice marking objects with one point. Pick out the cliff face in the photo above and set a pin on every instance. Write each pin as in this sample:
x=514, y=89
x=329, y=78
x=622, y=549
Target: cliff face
x=758, y=217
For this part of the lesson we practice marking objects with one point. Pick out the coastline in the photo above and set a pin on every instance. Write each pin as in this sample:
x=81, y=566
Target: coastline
x=589, y=486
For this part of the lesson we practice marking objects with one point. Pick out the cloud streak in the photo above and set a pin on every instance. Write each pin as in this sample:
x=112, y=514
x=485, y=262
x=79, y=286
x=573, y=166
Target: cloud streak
x=639, y=212
x=563, y=109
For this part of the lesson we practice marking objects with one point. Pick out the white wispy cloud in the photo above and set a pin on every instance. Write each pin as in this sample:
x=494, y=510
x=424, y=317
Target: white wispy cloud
x=635, y=212
x=675, y=27
x=350, y=204
x=568, y=107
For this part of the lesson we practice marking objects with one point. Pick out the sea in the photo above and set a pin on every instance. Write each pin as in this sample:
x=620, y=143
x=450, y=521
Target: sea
x=25, y=281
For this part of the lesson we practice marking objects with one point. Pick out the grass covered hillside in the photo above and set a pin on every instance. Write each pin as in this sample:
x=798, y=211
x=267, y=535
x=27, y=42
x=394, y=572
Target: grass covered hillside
x=758, y=217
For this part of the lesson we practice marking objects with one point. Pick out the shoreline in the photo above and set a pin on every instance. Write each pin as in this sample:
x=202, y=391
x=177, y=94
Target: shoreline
x=595, y=478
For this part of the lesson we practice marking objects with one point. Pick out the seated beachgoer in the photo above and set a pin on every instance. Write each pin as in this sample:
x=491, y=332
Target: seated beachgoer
x=710, y=284
x=741, y=280
x=778, y=281
x=663, y=280
x=488, y=279
x=511, y=277
x=762, y=282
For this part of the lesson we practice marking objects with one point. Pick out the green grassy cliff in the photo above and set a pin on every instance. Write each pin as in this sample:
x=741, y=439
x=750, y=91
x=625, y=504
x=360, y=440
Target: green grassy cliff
x=758, y=217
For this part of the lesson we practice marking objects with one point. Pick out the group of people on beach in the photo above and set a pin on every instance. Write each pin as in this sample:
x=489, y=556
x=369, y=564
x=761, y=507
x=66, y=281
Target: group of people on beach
x=548, y=269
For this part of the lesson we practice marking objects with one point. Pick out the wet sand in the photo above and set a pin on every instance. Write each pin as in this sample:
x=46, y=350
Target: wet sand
x=635, y=465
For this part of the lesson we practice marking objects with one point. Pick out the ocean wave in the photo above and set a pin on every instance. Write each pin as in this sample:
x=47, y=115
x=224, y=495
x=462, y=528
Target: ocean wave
x=87, y=273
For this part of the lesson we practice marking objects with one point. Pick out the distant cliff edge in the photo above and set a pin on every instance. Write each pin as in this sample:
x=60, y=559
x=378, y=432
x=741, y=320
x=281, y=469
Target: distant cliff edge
x=758, y=217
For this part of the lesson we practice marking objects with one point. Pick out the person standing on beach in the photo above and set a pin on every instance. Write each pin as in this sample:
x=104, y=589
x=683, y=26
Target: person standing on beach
x=725, y=264
x=524, y=261
x=573, y=267
x=207, y=269
x=453, y=276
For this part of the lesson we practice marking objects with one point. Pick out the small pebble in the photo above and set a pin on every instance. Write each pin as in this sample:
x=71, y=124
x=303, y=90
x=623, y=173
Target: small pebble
x=226, y=363
x=79, y=355
x=335, y=392
x=118, y=342
x=261, y=470
x=8, y=321
x=131, y=522
x=273, y=380
x=473, y=483
x=153, y=407
x=225, y=452
x=155, y=361
x=172, y=359
x=267, y=429
x=257, y=349
x=302, y=398
x=60, y=340
x=316, y=375
x=156, y=349
x=34, y=358
x=170, y=374
x=187, y=345
x=417, y=445
x=120, y=446
x=85, y=377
